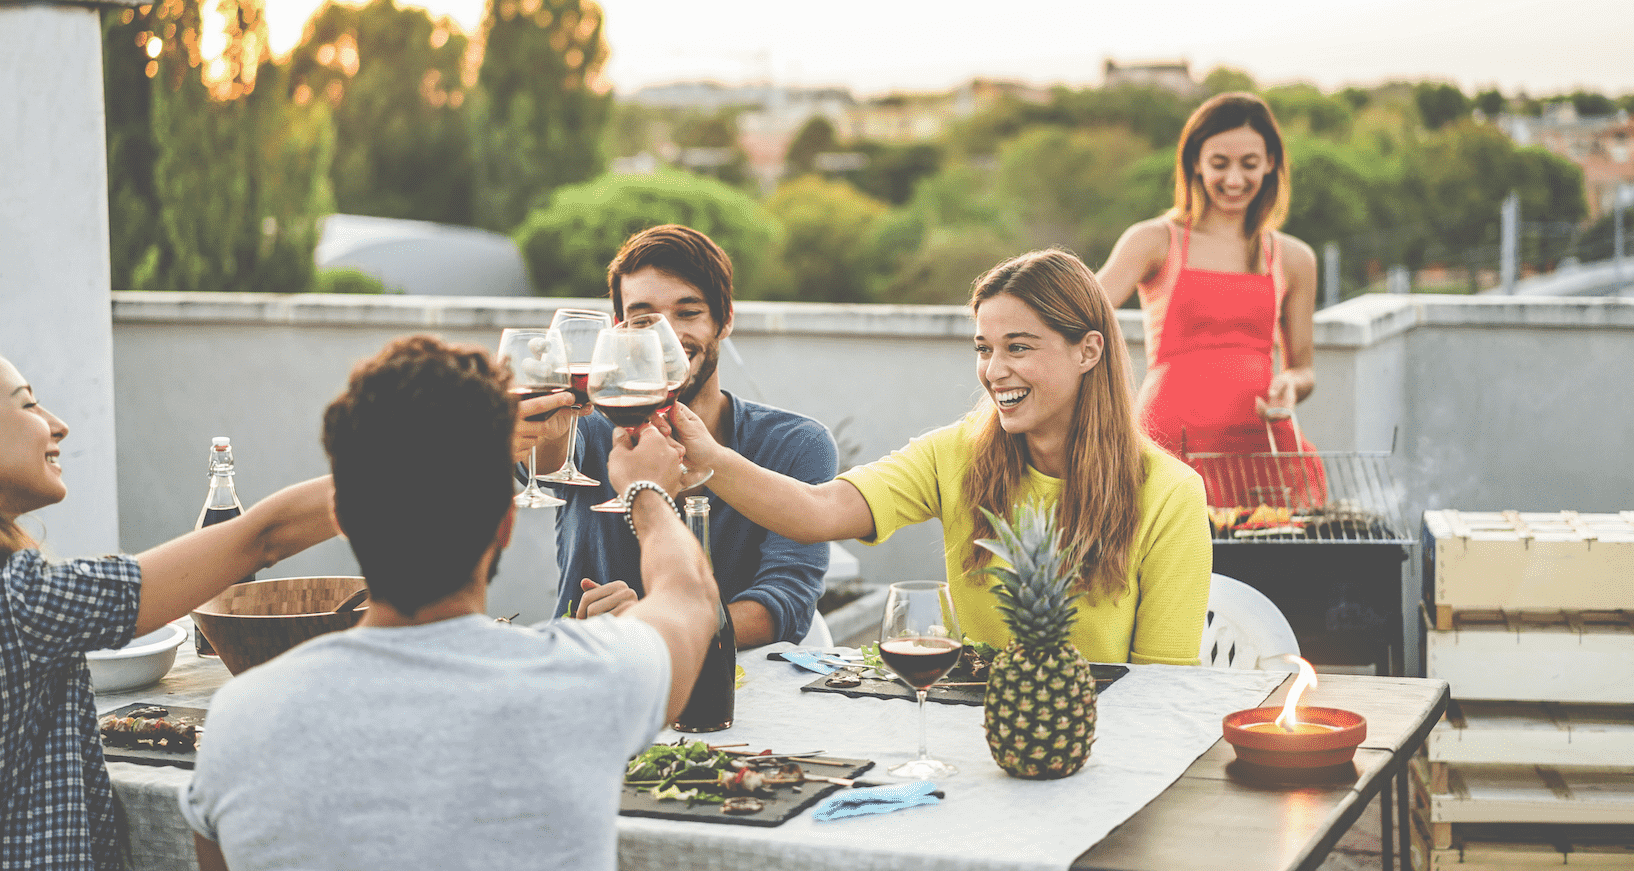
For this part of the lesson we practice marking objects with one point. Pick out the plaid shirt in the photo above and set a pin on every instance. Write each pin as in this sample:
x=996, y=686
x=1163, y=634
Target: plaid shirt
x=56, y=804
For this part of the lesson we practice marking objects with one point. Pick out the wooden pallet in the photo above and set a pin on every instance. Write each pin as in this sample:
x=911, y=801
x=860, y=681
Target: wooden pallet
x=1521, y=794
x=1561, y=656
x=1525, y=560
x=1478, y=847
x=1530, y=733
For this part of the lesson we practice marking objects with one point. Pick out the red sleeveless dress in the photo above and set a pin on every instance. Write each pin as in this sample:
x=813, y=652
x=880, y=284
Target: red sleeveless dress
x=1209, y=343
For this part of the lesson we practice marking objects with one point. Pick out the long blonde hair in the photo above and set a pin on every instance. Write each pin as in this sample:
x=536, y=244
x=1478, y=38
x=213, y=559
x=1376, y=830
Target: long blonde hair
x=13, y=538
x=1099, y=508
x=1220, y=114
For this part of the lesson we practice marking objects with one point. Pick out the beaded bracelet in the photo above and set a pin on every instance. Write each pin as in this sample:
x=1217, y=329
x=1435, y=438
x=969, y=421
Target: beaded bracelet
x=629, y=502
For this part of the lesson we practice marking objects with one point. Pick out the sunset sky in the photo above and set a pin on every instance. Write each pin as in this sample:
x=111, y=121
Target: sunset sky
x=876, y=46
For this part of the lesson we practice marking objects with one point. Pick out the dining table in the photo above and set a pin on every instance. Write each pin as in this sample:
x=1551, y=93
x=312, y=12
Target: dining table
x=1161, y=790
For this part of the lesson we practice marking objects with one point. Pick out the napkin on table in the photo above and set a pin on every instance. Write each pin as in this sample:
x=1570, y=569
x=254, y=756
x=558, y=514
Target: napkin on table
x=875, y=800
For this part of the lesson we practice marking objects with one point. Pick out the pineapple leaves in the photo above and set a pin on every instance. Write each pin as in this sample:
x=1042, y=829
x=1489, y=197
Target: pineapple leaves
x=1035, y=591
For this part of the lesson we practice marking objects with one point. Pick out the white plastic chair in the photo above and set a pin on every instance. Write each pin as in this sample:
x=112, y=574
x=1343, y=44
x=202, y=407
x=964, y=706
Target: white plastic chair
x=1244, y=629
x=818, y=635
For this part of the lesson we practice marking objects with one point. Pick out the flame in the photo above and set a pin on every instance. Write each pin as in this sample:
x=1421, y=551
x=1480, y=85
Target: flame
x=1287, y=720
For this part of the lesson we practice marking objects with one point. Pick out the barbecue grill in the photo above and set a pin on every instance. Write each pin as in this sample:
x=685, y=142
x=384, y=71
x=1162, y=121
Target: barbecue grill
x=1320, y=533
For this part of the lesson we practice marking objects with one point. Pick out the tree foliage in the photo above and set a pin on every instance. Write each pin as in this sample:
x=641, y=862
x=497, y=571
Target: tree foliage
x=232, y=177
x=1075, y=188
x=392, y=78
x=827, y=230
x=1439, y=104
x=815, y=137
x=568, y=244
x=538, y=123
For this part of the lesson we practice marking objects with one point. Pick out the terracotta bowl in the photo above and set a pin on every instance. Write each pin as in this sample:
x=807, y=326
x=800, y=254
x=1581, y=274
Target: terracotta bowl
x=1335, y=745
x=251, y=623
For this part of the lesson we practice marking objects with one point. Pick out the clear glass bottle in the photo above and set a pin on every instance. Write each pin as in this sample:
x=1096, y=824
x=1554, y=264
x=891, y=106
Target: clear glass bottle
x=220, y=503
x=710, y=707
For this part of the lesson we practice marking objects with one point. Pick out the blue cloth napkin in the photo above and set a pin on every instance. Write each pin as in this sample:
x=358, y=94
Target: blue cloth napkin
x=807, y=659
x=875, y=800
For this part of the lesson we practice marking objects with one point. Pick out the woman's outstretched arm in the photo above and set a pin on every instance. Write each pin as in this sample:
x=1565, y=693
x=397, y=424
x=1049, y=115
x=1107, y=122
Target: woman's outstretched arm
x=184, y=572
x=802, y=512
x=1298, y=376
x=1136, y=258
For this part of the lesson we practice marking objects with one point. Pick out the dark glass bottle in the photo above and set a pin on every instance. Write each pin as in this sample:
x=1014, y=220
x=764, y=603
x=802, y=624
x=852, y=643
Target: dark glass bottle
x=220, y=503
x=709, y=709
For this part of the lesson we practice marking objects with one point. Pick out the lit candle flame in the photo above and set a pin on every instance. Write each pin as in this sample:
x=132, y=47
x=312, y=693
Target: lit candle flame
x=1287, y=720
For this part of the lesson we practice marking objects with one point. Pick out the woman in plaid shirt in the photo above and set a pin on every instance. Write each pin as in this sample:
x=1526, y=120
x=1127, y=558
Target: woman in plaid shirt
x=56, y=804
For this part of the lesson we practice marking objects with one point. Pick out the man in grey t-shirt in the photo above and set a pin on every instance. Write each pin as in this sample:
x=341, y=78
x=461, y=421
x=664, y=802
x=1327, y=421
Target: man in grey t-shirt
x=430, y=735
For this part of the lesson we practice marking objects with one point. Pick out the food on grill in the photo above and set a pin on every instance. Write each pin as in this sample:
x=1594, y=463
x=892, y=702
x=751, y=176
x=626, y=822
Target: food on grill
x=1262, y=521
x=149, y=727
x=1039, y=707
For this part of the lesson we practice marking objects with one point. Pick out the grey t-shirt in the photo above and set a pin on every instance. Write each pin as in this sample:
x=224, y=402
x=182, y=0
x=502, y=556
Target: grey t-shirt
x=464, y=743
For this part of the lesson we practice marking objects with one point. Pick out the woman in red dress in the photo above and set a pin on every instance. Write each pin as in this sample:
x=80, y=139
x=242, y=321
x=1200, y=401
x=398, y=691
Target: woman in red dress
x=1223, y=294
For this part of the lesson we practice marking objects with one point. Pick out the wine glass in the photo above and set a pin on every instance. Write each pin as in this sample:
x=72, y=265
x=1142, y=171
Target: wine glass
x=676, y=369
x=919, y=639
x=533, y=357
x=578, y=328
x=627, y=383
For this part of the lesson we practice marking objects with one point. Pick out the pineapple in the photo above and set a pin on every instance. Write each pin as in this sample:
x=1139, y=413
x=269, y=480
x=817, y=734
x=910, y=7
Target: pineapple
x=1040, y=700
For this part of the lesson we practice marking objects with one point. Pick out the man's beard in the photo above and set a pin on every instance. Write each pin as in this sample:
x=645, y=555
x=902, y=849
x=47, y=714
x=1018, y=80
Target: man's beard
x=709, y=358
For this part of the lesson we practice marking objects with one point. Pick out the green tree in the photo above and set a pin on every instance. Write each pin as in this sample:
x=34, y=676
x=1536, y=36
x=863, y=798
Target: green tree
x=1073, y=187
x=1331, y=190
x=1222, y=80
x=893, y=170
x=709, y=146
x=568, y=244
x=1491, y=103
x=1303, y=104
x=537, y=124
x=827, y=228
x=133, y=198
x=815, y=137
x=1589, y=104
x=1439, y=104
x=239, y=174
x=392, y=79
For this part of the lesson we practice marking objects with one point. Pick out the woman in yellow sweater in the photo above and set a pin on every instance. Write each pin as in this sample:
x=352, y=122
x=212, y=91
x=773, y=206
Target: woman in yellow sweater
x=1056, y=424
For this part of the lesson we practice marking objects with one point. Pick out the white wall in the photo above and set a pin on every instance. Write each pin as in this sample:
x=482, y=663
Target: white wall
x=54, y=273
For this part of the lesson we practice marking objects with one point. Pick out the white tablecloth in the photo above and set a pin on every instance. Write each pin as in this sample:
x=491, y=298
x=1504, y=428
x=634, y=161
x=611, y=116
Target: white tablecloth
x=1152, y=724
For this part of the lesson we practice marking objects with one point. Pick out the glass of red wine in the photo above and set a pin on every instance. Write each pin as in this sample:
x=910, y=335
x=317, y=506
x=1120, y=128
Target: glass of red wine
x=919, y=640
x=533, y=357
x=578, y=328
x=676, y=369
x=627, y=383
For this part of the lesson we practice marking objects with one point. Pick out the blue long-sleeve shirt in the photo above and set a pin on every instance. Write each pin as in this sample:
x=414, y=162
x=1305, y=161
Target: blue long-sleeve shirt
x=751, y=563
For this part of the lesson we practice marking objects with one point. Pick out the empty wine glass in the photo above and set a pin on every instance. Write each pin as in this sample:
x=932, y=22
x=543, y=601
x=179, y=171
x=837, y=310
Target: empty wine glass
x=919, y=639
x=578, y=328
x=627, y=383
x=533, y=356
x=676, y=369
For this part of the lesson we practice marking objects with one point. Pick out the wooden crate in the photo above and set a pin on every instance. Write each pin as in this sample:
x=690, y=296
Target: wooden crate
x=1601, y=795
x=1530, y=733
x=1477, y=847
x=1560, y=656
x=1523, y=561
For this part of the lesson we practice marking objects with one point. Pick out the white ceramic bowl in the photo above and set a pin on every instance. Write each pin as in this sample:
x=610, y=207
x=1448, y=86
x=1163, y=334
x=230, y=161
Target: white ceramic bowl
x=141, y=662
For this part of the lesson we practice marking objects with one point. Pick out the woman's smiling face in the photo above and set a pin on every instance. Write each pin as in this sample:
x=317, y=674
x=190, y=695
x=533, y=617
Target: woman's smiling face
x=1030, y=371
x=30, y=476
x=1232, y=166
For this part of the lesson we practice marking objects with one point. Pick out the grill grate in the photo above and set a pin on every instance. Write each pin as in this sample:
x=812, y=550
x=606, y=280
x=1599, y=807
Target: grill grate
x=1302, y=498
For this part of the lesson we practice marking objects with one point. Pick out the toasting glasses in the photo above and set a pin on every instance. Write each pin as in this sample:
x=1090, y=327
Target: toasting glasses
x=627, y=383
x=533, y=357
x=919, y=639
x=578, y=328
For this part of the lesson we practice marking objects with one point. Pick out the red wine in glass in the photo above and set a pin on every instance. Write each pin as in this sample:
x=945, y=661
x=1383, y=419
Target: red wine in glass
x=921, y=660
x=580, y=374
x=631, y=411
x=523, y=394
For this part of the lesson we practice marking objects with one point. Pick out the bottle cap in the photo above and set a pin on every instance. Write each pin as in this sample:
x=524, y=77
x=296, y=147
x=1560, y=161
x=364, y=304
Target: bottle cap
x=221, y=442
x=697, y=503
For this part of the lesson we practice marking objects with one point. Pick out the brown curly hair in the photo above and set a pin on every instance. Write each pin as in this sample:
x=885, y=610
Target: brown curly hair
x=420, y=447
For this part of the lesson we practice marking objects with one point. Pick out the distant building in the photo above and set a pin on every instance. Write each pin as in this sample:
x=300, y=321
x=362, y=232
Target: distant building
x=1602, y=146
x=1169, y=75
x=915, y=117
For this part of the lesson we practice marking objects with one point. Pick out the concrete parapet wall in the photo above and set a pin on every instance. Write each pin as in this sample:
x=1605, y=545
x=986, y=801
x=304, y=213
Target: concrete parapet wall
x=1490, y=403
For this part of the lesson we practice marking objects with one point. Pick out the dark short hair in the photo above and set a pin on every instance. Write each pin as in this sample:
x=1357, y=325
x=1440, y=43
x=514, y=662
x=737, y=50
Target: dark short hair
x=682, y=252
x=420, y=447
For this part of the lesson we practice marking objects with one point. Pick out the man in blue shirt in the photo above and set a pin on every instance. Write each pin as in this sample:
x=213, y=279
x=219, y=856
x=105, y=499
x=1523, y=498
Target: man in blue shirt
x=771, y=584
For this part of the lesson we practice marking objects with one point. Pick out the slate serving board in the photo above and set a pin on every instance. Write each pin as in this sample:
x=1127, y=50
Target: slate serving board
x=143, y=754
x=1105, y=674
x=782, y=807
